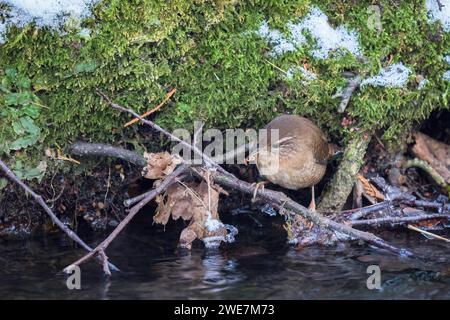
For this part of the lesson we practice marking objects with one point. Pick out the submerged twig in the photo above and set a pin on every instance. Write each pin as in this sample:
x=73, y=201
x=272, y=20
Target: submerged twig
x=70, y=233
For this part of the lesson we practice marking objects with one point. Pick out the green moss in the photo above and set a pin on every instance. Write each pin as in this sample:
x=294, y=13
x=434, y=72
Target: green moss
x=207, y=50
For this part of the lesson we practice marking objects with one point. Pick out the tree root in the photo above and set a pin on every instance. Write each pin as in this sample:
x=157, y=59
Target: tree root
x=427, y=168
x=339, y=188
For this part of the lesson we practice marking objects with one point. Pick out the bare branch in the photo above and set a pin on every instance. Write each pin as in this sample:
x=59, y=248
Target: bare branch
x=397, y=220
x=71, y=234
x=100, y=249
x=101, y=149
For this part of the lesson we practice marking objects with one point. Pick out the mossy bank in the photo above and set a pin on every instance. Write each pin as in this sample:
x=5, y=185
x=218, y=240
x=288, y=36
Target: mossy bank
x=222, y=68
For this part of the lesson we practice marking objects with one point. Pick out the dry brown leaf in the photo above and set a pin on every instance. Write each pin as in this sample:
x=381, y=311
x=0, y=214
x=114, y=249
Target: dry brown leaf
x=176, y=202
x=369, y=189
x=159, y=165
x=195, y=202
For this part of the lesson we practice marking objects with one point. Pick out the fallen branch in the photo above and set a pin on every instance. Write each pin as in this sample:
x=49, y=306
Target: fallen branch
x=70, y=233
x=280, y=200
x=101, y=149
x=100, y=249
x=396, y=220
x=427, y=233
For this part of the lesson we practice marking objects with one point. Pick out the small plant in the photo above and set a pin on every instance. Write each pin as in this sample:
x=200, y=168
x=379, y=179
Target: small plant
x=20, y=107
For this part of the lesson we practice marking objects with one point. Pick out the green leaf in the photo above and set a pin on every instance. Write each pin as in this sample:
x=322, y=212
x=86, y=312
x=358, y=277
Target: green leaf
x=29, y=125
x=17, y=98
x=23, y=142
x=10, y=72
x=32, y=110
x=11, y=99
x=3, y=183
x=18, y=128
x=28, y=173
x=5, y=85
x=23, y=83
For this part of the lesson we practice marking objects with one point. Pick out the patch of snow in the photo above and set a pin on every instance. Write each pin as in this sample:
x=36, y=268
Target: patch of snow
x=280, y=43
x=394, y=76
x=438, y=13
x=84, y=32
x=422, y=84
x=212, y=224
x=2, y=32
x=316, y=24
x=306, y=75
x=447, y=59
x=446, y=76
x=46, y=13
x=328, y=38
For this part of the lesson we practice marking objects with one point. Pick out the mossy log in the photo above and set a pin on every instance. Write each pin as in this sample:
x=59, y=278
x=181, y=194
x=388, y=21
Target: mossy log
x=340, y=187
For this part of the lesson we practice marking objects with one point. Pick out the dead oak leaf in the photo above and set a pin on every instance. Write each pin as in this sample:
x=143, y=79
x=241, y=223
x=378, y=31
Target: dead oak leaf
x=196, y=202
x=159, y=165
x=369, y=189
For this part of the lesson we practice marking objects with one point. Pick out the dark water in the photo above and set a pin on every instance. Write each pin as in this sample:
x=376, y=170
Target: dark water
x=259, y=265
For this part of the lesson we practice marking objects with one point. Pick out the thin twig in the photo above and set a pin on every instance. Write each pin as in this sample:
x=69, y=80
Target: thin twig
x=346, y=93
x=71, y=234
x=133, y=211
x=149, y=112
x=396, y=220
x=427, y=233
x=208, y=160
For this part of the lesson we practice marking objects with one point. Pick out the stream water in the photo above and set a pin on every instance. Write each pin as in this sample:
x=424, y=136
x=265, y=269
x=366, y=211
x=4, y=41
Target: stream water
x=259, y=265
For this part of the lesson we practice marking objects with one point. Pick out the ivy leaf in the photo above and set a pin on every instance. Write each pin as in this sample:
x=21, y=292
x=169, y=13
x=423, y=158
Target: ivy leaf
x=5, y=85
x=32, y=110
x=28, y=173
x=29, y=126
x=23, y=83
x=10, y=72
x=17, y=98
x=11, y=99
x=23, y=142
x=18, y=128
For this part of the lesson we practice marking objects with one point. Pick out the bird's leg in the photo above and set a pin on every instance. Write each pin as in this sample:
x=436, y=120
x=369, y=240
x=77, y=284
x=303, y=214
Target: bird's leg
x=312, y=204
x=259, y=185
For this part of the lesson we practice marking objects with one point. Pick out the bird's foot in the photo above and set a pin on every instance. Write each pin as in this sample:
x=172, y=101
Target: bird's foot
x=312, y=206
x=259, y=185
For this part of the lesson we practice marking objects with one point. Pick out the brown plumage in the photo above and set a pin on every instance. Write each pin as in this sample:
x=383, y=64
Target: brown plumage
x=298, y=157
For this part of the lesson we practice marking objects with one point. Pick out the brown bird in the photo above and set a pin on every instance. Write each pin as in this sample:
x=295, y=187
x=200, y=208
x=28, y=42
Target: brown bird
x=297, y=157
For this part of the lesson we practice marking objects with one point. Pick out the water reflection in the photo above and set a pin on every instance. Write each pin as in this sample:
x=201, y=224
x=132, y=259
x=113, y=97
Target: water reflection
x=258, y=266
